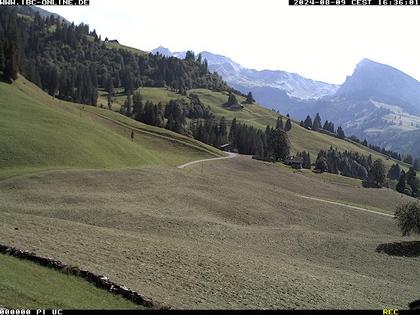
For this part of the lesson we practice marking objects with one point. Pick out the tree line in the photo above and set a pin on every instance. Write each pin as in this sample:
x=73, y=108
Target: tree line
x=328, y=126
x=71, y=62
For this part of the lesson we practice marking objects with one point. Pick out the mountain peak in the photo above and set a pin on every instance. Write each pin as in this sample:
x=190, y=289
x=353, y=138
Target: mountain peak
x=162, y=50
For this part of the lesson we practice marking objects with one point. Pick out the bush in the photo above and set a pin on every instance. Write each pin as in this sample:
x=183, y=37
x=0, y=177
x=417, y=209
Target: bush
x=408, y=218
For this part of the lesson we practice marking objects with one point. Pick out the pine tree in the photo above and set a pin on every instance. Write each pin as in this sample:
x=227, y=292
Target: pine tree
x=10, y=71
x=110, y=90
x=308, y=122
x=321, y=164
x=376, y=174
x=279, y=143
x=317, y=122
x=412, y=181
x=128, y=104
x=2, y=58
x=232, y=131
x=340, y=133
x=394, y=172
x=137, y=104
x=279, y=123
x=288, y=125
x=402, y=184
x=306, y=160
x=232, y=99
x=249, y=98
x=222, y=130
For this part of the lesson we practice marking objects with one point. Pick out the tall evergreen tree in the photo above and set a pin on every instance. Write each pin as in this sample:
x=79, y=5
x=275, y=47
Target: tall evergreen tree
x=317, y=122
x=110, y=90
x=10, y=71
x=340, y=133
x=308, y=122
x=279, y=143
x=412, y=181
x=376, y=174
x=394, y=172
x=232, y=99
x=2, y=58
x=279, y=123
x=249, y=98
x=402, y=184
x=288, y=125
x=137, y=104
x=128, y=104
x=232, y=131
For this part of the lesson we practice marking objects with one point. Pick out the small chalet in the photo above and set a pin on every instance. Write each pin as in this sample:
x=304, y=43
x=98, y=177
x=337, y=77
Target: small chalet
x=294, y=161
x=226, y=147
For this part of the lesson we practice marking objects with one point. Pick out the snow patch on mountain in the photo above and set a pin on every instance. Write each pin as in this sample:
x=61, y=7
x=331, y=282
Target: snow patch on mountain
x=243, y=78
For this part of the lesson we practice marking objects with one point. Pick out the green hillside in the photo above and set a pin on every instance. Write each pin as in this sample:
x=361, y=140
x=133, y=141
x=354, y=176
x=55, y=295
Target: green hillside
x=38, y=132
x=257, y=116
x=24, y=284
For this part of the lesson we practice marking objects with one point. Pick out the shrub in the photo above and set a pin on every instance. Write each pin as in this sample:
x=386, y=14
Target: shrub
x=408, y=218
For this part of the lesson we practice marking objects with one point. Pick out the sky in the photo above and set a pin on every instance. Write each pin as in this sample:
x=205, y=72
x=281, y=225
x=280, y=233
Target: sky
x=321, y=43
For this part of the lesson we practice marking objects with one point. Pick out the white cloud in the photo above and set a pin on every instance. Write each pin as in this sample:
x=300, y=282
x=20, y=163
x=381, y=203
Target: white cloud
x=322, y=43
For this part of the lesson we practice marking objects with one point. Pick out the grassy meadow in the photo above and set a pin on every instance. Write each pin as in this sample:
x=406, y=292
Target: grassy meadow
x=27, y=285
x=38, y=132
x=235, y=233
x=232, y=234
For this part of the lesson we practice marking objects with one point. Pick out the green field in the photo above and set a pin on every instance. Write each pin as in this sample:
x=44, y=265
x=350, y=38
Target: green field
x=24, y=284
x=38, y=132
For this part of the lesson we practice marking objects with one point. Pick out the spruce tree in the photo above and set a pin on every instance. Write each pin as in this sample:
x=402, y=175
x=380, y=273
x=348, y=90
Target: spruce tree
x=137, y=104
x=279, y=123
x=402, y=183
x=308, y=122
x=279, y=144
x=249, y=98
x=2, y=58
x=232, y=99
x=412, y=181
x=394, y=172
x=232, y=131
x=110, y=90
x=376, y=175
x=317, y=122
x=222, y=130
x=10, y=71
x=288, y=125
x=128, y=104
x=321, y=164
x=340, y=133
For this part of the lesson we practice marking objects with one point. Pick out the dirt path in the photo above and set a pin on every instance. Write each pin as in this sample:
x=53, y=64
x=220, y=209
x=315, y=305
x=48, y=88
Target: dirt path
x=344, y=205
x=230, y=156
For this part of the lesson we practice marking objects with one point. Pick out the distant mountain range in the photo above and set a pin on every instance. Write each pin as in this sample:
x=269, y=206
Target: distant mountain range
x=245, y=80
x=377, y=102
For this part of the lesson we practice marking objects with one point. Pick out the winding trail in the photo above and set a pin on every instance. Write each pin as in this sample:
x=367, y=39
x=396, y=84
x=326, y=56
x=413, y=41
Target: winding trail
x=233, y=155
x=345, y=205
x=230, y=156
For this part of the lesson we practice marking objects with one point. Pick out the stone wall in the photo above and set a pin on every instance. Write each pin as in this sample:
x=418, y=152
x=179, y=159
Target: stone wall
x=97, y=279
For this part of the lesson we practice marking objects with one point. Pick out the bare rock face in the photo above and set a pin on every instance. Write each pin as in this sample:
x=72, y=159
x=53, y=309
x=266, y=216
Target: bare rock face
x=98, y=280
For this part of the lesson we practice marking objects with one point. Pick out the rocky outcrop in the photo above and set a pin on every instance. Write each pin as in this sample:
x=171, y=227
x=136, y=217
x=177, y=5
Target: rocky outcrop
x=99, y=280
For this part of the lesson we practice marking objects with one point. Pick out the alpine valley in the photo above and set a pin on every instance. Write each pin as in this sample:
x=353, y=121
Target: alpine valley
x=377, y=102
